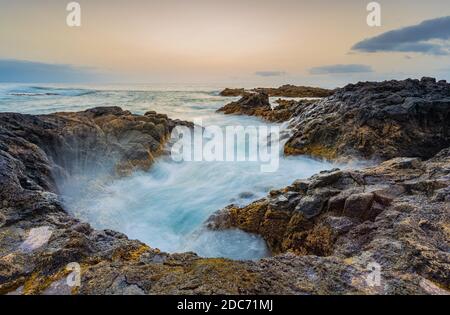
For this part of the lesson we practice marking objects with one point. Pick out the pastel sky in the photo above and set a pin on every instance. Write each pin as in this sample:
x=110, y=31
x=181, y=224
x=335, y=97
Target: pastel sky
x=321, y=42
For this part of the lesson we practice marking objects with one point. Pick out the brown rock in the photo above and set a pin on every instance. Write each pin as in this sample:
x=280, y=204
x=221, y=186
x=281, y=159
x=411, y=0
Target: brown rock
x=358, y=205
x=250, y=104
x=232, y=92
x=369, y=217
x=283, y=91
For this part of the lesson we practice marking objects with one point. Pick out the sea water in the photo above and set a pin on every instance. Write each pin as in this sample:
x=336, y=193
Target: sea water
x=166, y=206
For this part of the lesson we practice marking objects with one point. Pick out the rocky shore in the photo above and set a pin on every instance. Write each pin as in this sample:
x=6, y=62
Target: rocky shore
x=282, y=91
x=368, y=120
x=328, y=233
x=396, y=214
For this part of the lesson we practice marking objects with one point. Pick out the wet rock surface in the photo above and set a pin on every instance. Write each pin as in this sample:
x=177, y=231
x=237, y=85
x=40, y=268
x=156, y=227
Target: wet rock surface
x=251, y=104
x=396, y=214
x=101, y=137
x=375, y=120
x=257, y=104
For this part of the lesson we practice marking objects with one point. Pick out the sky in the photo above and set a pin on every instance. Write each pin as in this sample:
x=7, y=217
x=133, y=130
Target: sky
x=235, y=42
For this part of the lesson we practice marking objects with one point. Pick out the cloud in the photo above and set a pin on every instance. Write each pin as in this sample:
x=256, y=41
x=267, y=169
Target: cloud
x=28, y=71
x=337, y=69
x=270, y=73
x=429, y=37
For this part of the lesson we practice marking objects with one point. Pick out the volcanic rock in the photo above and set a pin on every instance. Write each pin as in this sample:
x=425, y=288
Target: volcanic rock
x=251, y=104
x=375, y=120
x=395, y=214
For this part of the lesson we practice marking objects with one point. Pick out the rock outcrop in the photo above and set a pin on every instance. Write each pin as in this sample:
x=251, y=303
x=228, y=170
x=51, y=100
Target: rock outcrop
x=102, y=138
x=251, y=104
x=375, y=120
x=367, y=120
x=396, y=214
x=287, y=90
x=232, y=92
x=257, y=104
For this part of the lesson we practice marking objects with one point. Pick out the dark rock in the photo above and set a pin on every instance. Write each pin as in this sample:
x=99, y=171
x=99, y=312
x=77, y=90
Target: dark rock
x=289, y=90
x=358, y=222
x=232, y=92
x=283, y=112
x=250, y=104
x=358, y=205
x=328, y=253
x=375, y=120
x=283, y=91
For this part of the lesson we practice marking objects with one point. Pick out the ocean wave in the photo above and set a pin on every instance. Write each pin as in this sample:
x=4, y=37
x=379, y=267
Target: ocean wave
x=33, y=94
x=30, y=91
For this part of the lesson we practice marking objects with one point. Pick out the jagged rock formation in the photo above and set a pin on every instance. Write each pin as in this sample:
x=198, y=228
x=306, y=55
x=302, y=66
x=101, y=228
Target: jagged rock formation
x=251, y=104
x=375, y=120
x=396, y=214
x=367, y=120
x=257, y=104
x=287, y=90
x=101, y=138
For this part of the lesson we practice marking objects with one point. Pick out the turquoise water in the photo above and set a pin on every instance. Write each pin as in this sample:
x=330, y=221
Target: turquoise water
x=165, y=207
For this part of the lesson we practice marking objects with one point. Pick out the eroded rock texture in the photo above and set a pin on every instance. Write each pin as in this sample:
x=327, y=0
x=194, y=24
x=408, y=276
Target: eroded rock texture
x=257, y=104
x=367, y=120
x=251, y=104
x=375, y=120
x=396, y=214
